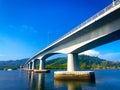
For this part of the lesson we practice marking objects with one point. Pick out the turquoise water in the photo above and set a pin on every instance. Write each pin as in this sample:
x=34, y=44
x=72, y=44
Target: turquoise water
x=22, y=80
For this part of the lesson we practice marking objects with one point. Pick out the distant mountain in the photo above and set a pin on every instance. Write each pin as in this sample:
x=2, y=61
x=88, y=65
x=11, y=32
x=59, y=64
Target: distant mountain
x=12, y=63
x=86, y=62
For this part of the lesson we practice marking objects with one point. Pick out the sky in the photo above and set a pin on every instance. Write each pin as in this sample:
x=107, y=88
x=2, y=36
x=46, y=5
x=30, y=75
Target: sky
x=28, y=26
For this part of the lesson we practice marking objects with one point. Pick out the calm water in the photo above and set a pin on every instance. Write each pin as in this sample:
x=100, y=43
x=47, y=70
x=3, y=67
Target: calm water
x=22, y=80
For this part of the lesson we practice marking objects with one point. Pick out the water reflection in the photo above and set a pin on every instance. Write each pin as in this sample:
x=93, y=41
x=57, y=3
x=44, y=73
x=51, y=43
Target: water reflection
x=71, y=84
x=40, y=81
x=105, y=80
x=36, y=81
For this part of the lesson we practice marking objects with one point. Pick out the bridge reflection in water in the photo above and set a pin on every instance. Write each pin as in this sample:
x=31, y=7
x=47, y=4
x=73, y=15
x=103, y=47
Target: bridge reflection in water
x=40, y=81
x=36, y=81
x=72, y=84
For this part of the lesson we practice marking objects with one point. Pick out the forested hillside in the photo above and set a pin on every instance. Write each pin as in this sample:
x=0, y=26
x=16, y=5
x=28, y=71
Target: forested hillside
x=13, y=64
x=86, y=62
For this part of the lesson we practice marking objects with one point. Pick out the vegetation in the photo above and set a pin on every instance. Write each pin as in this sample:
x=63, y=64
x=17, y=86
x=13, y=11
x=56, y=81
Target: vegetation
x=8, y=67
x=57, y=63
x=12, y=64
x=86, y=62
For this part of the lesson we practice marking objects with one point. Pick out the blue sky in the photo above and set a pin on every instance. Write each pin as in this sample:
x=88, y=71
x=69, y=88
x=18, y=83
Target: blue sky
x=27, y=26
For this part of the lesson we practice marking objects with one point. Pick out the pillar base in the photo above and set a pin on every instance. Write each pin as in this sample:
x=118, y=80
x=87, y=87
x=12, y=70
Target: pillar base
x=30, y=70
x=42, y=71
x=75, y=75
x=25, y=69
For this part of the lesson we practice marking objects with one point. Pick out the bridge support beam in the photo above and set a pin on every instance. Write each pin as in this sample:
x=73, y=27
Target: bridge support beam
x=73, y=72
x=33, y=64
x=29, y=64
x=72, y=62
x=41, y=67
x=27, y=68
x=30, y=68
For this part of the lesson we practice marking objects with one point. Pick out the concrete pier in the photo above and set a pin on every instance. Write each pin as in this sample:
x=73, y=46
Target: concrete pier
x=75, y=75
x=42, y=64
x=42, y=71
x=72, y=62
x=33, y=64
x=73, y=72
x=29, y=67
x=41, y=67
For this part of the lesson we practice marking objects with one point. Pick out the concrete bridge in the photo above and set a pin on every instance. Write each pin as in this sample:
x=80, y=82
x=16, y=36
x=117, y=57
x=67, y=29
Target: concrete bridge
x=102, y=28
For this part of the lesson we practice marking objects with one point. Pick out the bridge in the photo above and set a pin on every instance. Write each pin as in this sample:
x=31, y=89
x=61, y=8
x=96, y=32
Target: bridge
x=102, y=28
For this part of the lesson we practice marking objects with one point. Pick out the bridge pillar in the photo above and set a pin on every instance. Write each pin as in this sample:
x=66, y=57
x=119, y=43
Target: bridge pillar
x=73, y=72
x=33, y=64
x=42, y=67
x=72, y=62
x=29, y=66
x=42, y=64
x=26, y=67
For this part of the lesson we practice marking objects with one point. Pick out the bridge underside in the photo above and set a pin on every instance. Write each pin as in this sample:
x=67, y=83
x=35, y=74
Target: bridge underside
x=101, y=41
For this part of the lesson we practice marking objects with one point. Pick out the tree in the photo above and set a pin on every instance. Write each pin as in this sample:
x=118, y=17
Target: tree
x=93, y=66
x=83, y=66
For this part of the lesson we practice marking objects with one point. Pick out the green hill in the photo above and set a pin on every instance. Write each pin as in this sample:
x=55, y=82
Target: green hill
x=86, y=62
x=13, y=64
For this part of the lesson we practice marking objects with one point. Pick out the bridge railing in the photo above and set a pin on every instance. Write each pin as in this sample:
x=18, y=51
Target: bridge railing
x=114, y=3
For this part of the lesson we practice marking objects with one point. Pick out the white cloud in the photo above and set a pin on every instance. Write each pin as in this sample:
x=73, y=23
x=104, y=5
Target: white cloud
x=91, y=53
x=108, y=56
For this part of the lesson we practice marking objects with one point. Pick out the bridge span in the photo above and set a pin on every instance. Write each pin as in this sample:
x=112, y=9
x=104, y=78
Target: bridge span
x=102, y=28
